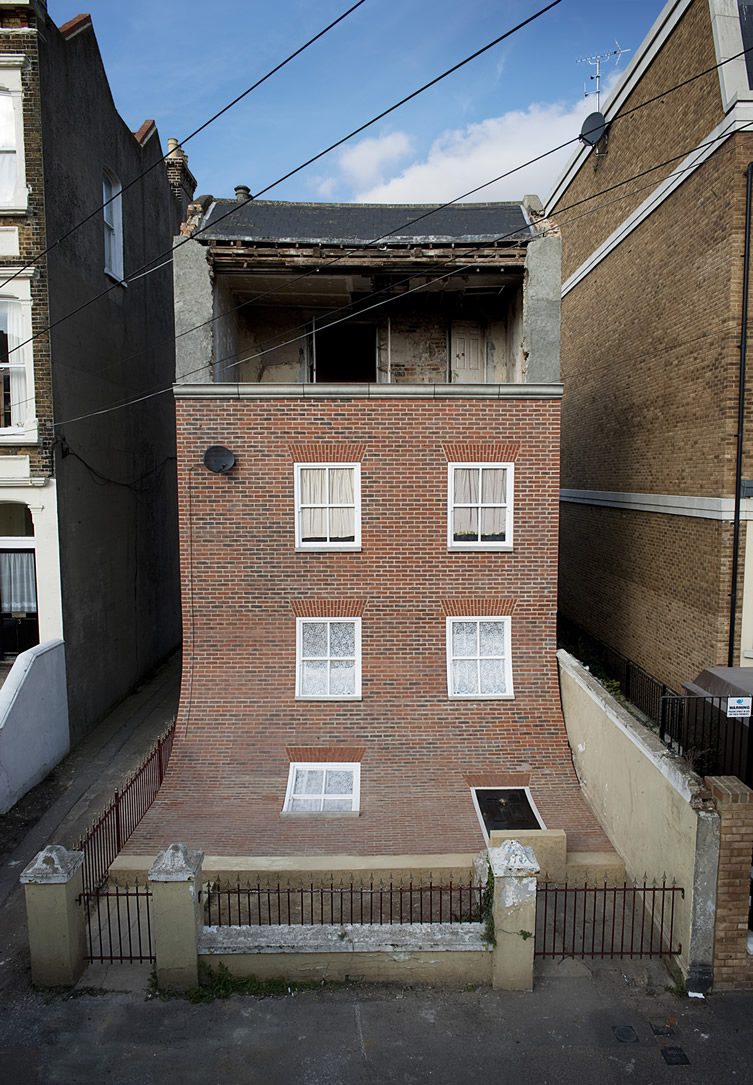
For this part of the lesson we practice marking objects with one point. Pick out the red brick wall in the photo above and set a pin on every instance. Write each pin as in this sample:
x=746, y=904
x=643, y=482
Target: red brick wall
x=243, y=584
x=733, y=965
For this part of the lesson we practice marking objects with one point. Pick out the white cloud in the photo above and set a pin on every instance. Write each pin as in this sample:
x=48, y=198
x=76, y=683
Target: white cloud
x=364, y=163
x=461, y=159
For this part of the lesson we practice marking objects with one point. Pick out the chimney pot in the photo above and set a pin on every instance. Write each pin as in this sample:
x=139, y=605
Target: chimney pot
x=242, y=193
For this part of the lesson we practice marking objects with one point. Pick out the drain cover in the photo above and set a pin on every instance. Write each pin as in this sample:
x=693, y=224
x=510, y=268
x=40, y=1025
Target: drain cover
x=675, y=1056
x=625, y=1034
x=662, y=1030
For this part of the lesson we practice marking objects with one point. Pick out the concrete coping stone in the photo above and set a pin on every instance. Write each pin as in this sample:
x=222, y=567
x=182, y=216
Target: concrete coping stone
x=54, y=865
x=513, y=860
x=178, y=863
x=348, y=938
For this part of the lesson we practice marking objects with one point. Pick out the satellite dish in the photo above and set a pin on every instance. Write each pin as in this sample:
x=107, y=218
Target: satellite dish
x=594, y=127
x=219, y=459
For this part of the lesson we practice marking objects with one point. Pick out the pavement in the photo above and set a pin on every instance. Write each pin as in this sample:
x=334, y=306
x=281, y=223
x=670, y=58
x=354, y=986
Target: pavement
x=586, y=1023
x=62, y=807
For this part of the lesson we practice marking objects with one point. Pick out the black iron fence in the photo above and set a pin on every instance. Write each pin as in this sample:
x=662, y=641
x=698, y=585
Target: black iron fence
x=634, y=683
x=696, y=727
x=118, y=924
x=606, y=921
x=105, y=838
x=699, y=729
x=331, y=904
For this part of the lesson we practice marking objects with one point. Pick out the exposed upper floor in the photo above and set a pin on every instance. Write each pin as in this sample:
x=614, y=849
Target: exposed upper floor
x=327, y=294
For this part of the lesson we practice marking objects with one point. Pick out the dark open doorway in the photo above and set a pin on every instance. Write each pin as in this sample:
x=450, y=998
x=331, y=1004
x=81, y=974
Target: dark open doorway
x=345, y=353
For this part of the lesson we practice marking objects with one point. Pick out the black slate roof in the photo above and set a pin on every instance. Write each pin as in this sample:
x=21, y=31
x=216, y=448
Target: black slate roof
x=354, y=223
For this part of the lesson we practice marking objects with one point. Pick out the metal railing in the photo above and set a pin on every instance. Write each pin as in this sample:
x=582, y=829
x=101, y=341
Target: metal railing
x=331, y=904
x=104, y=839
x=699, y=729
x=636, y=684
x=606, y=921
x=118, y=924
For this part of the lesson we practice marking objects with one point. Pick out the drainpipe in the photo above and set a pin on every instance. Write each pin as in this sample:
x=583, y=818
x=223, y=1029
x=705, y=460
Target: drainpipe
x=740, y=419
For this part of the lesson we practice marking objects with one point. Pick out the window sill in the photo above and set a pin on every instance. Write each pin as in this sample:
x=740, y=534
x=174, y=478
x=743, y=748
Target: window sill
x=116, y=278
x=13, y=436
x=321, y=548
x=481, y=696
x=480, y=547
x=328, y=814
x=324, y=697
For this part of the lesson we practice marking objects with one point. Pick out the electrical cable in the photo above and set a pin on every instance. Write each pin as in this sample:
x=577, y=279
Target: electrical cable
x=432, y=210
x=146, y=267
x=553, y=150
x=454, y=271
x=182, y=142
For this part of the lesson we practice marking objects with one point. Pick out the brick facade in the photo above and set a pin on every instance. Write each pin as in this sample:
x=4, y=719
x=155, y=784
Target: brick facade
x=244, y=583
x=650, y=356
x=733, y=964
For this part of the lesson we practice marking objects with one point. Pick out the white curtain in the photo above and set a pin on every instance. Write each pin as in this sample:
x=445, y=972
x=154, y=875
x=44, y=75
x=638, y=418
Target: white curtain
x=465, y=520
x=18, y=582
x=493, y=487
x=17, y=373
x=342, y=504
x=313, y=493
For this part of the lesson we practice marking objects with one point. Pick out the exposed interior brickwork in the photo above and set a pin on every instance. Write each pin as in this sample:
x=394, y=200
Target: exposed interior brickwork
x=239, y=717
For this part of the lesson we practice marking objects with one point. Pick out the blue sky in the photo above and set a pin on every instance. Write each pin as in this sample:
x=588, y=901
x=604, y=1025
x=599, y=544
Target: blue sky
x=180, y=60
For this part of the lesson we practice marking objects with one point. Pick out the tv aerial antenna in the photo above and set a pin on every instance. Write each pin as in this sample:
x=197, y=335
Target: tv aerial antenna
x=596, y=62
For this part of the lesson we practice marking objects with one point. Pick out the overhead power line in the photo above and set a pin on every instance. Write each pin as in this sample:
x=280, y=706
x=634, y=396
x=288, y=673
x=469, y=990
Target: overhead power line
x=181, y=143
x=552, y=150
x=233, y=361
x=242, y=203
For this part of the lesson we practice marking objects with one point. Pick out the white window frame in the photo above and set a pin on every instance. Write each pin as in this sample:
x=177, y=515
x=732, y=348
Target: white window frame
x=18, y=292
x=112, y=224
x=10, y=83
x=328, y=546
x=507, y=660
x=337, y=766
x=493, y=787
x=299, y=660
x=509, y=469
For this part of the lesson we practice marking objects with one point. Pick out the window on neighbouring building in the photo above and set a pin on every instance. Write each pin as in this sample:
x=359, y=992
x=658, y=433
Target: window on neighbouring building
x=328, y=506
x=15, y=407
x=13, y=191
x=323, y=787
x=745, y=9
x=8, y=153
x=478, y=657
x=112, y=213
x=480, y=506
x=328, y=658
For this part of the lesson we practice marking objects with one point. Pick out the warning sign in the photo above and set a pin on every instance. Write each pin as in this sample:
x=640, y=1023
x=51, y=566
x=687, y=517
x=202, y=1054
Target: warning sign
x=739, y=706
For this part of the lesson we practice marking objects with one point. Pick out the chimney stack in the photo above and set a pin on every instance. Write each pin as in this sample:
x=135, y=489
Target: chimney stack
x=182, y=182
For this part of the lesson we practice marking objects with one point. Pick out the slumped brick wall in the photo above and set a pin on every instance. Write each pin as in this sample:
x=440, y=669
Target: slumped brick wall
x=244, y=584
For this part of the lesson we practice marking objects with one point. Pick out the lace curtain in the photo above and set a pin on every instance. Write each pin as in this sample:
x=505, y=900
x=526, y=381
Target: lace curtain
x=18, y=582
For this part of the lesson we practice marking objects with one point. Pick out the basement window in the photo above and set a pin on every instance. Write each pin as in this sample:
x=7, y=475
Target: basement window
x=323, y=788
x=506, y=808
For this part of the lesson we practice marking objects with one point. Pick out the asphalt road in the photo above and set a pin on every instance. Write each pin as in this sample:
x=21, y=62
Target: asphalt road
x=586, y=1029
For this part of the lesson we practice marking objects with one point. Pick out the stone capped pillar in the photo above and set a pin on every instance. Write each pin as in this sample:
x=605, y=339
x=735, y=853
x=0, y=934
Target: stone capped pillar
x=733, y=964
x=53, y=882
x=175, y=882
x=514, y=867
